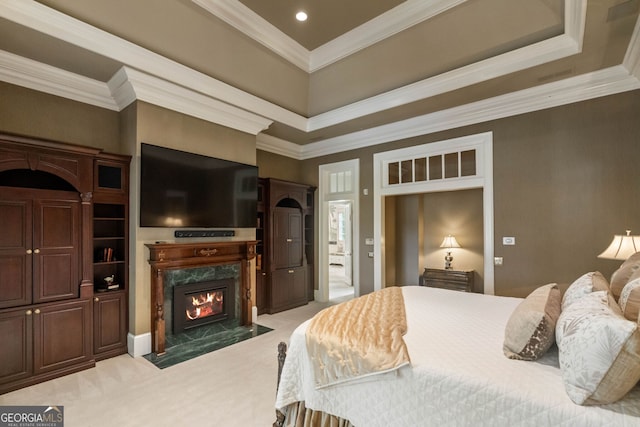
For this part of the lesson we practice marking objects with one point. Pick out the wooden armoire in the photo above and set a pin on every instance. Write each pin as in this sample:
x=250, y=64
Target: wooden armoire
x=63, y=230
x=284, y=230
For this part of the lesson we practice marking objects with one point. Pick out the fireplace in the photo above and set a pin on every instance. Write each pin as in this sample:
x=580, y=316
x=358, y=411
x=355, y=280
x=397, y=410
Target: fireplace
x=201, y=303
x=166, y=257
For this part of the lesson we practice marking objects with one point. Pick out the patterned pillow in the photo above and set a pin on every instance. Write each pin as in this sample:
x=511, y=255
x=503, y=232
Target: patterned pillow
x=622, y=275
x=598, y=350
x=530, y=330
x=585, y=284
x=630, y=299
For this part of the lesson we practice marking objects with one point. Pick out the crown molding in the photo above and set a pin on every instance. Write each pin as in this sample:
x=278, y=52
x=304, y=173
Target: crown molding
x=279, y=146
x=167, y=87
x=509, y=62
x=604, y=82
x=253, y=25
x=567, y=44
x=403, y=16
x=128, y=85
x=48, y=21
x=632, y=57
x=394, y=21
x=34, y=75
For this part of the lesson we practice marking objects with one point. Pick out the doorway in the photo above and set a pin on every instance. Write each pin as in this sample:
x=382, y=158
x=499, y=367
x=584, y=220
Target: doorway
x=455, y=164
x=338, y=231
x=340, y=250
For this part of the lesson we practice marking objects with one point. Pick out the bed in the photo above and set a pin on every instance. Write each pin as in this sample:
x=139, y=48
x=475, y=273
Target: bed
x=458, y=375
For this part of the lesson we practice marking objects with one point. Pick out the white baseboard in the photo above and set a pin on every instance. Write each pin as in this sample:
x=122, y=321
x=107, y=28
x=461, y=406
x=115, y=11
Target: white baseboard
x=139, y=345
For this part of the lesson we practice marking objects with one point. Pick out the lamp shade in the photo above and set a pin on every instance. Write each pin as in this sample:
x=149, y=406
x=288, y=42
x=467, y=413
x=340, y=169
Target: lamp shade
x=622, y=247
x=450, y=242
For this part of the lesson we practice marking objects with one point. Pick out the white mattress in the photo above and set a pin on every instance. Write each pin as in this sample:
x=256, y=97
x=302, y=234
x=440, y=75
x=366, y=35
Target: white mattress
x=458, y=375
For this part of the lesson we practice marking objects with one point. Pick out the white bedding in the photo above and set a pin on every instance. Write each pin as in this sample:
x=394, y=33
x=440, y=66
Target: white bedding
x=458, y=375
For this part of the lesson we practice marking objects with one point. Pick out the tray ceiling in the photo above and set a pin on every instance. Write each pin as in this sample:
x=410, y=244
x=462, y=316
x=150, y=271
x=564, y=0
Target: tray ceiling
x=351, y=71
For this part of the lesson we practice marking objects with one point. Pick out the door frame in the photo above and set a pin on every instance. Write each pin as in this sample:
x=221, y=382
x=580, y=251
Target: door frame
x=482, y=143
x=324, y=197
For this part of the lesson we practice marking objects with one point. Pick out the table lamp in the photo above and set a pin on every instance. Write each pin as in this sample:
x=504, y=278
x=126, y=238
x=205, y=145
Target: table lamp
x=622, y=247
x=448, y=243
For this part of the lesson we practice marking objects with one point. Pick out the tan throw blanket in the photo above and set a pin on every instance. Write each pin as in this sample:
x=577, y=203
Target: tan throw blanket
x=358, y=338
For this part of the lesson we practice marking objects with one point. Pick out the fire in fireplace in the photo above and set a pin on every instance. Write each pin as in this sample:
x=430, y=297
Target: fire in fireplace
x=197, y=304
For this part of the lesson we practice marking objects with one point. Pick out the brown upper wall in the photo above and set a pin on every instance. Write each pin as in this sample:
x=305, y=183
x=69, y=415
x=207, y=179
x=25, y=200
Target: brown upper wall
x=28, y=112
x=565, y=180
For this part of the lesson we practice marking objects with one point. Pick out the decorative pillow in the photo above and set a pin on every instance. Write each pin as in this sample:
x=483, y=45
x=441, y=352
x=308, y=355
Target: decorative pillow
x=630, y=299
x=585, y=284
x=622, y=275
x=530, y=330
x=598, y=350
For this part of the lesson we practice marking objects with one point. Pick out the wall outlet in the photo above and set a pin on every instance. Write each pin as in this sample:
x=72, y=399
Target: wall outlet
x=497, y=260
x=368, y=241
x=370, y=254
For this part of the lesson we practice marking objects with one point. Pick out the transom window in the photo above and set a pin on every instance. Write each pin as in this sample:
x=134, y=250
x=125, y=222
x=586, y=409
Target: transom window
x=454, y=164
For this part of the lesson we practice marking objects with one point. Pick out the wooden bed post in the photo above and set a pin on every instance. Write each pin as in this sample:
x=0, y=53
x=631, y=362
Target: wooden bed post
x=282, y=354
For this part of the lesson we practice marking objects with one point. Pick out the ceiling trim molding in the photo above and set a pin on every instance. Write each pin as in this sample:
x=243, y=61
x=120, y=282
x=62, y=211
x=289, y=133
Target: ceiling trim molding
x=632, y=57
x=567, y=44
x=520, y=59
x=604, y=82
x=254, y=26
x=394, y=21
x=401, y=17
x=279, y=146
x=35, y=75
x=51, y=22
x=128, y=85
x=56, y=24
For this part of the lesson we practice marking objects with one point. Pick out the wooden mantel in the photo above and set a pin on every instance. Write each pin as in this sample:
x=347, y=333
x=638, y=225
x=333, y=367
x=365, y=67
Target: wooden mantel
x=177, y=256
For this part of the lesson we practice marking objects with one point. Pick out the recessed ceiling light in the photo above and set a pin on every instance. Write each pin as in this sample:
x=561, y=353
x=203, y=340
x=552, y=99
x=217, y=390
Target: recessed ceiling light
x=301, y=16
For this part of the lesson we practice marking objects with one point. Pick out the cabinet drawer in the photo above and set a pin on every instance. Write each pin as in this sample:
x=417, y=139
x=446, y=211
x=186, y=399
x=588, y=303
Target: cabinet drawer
x=448, y=279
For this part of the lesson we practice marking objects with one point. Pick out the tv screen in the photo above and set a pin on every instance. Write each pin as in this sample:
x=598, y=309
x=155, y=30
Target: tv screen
x=180, y=189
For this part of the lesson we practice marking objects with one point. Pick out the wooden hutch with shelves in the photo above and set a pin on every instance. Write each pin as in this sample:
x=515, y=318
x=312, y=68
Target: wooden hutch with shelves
x=285, y=250
x=53, y=320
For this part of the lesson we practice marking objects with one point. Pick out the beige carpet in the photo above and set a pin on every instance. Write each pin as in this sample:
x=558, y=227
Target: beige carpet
x=234, y=386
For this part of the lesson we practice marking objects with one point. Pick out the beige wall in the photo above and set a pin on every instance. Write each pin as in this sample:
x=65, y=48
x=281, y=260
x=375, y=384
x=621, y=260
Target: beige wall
x=31, y=113
x=565, y=180
x=275, y=166
x=159, y=126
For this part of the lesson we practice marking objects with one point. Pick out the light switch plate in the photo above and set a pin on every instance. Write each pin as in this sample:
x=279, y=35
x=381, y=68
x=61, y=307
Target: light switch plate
x=508, y=241
x=368, y=241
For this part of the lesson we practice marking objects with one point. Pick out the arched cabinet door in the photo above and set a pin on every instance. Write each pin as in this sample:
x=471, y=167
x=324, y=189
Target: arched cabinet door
x=287, y=238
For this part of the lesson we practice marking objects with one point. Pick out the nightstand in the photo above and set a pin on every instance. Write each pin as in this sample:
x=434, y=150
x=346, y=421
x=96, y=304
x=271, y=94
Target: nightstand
x=448, y=279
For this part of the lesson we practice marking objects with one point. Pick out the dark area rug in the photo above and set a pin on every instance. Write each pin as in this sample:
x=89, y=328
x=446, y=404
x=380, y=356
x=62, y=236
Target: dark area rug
x=202, y=340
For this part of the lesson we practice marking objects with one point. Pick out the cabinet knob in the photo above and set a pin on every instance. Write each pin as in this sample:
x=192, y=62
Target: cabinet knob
x=37, y=311
x=29, y=251
x=96, y=299
x=28, y=312
x=37, y=251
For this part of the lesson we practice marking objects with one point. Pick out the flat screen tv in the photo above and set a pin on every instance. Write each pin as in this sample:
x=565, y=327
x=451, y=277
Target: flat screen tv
x=186, y=190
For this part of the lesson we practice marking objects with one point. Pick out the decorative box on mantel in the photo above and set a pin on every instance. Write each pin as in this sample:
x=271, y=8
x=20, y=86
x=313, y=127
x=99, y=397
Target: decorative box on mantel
x=177, y=256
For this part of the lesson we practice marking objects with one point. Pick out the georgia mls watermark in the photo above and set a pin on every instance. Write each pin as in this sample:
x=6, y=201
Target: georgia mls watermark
x=31, y=416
